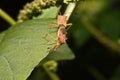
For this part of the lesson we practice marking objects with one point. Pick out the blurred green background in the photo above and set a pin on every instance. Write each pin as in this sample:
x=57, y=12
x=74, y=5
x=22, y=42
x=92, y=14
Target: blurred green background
x=94, y=38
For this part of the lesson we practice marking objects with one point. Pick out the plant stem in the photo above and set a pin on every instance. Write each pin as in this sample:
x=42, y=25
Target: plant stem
x=51, y=74
x=99, y=36
x=6, y=17
x=69, y=10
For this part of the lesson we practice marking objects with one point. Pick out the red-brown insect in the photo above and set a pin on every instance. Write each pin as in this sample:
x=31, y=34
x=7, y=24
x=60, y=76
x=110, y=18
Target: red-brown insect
x=62, y=31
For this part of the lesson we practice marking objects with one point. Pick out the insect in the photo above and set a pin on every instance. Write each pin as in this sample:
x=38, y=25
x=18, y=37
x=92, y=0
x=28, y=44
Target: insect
x=62, y=31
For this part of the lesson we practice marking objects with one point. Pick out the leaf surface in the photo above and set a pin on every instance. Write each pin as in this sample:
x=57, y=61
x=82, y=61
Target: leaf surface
x=49, y=13
x=23, y=47
x=62, y=53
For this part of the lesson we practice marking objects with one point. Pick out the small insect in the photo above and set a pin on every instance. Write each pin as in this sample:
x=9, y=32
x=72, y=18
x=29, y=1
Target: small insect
x=62, y=31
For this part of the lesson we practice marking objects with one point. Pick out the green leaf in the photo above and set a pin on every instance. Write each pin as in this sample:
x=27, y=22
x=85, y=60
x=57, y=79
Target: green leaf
x=49, y=13
x=23, y=47
x=62, y=53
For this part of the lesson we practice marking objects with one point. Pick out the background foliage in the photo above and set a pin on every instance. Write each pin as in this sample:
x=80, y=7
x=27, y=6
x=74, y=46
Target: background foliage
x=94, y=38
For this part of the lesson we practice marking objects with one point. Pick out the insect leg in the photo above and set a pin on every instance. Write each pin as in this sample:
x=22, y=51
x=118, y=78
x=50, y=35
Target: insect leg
x=68, y=25
x=49, y=38
x=53, y=24
x=49, y=31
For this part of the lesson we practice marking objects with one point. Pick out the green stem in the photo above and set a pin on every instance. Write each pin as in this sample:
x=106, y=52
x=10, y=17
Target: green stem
x=6, y=17
x=51, y=74
x=99, y=36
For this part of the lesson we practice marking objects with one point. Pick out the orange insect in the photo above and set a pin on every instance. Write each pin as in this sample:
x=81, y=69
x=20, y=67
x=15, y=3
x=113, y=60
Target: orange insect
x=62, y=31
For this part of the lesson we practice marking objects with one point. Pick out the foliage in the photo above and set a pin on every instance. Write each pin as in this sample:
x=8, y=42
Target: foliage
x=26, y=48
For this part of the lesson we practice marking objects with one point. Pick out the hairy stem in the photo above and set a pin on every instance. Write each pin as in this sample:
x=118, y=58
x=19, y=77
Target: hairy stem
x=7, y=18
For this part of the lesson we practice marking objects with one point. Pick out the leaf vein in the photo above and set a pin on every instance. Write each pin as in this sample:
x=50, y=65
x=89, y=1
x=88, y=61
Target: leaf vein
x=8, y=64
